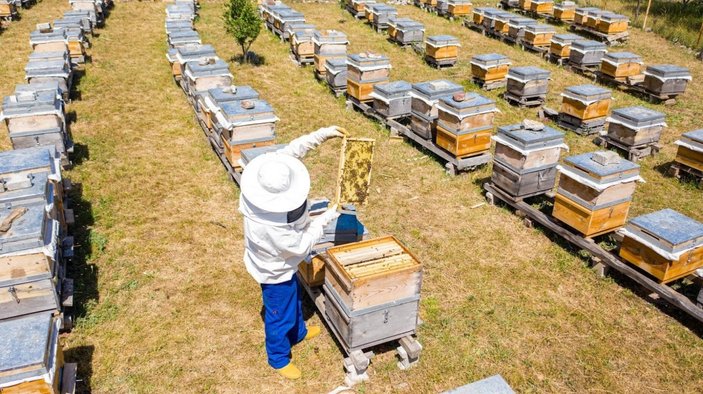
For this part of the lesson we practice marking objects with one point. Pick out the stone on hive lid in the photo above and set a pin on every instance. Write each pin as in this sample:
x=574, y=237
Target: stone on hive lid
x=44, y=27
x=606, y=158
x=533, y=125
x=247, y=104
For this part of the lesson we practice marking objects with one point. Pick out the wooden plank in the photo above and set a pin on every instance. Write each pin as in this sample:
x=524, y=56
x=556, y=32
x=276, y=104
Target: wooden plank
x=354, y=177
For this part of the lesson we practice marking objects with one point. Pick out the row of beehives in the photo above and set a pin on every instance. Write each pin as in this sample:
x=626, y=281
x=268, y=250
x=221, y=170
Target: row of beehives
x=9, y=9
x=35, y=246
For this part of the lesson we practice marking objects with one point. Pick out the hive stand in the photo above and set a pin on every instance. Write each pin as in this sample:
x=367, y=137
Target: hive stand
x=493, y=85
x=302, y=61
x=558, y=60
x=337, y=92
x=602, y=259
x=567, y=122
x=608, y=39
x=632, y=153
x=356, y=15
x=439, y=64
x=473, y=26
x=525, y=101
x=634, y=85
x=677, y=170
x=587, y=71
x=543, y=51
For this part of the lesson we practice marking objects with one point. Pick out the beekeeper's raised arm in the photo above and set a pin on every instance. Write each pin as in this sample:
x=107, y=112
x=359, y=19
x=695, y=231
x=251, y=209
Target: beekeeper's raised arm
x=300, y=146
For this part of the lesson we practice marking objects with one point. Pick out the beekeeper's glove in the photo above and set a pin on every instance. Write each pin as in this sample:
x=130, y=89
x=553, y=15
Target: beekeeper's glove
x=328, y=216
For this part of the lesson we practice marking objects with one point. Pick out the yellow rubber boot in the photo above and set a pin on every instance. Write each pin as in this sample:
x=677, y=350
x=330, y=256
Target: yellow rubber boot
x=290, y=371
x=313, y=331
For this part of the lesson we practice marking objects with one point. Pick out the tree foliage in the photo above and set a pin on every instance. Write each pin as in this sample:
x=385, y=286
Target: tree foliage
x=242, y=22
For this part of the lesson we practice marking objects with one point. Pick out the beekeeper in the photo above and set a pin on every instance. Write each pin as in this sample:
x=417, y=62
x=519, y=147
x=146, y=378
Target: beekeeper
x=278, y=235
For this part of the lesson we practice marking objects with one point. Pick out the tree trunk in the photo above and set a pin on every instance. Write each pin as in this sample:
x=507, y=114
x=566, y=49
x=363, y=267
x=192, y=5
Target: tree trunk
x=637, y=10
x=245, y=54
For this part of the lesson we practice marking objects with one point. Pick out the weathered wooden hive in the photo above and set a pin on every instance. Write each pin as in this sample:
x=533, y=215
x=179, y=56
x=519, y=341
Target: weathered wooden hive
x=526, y=158
x=442, y=7
x=51, y=56
x=517, y=27
x=32, y=357
x=49, y=86
x=587, y=53
x=636, y=126
x=457, y=8
x=8, y=9
x=581, y=15
x=560, y=45
x=528, y=82
x=36, y=119
x=425, y=98
x=542, y=6
x=336, y=74
x=489, y=17
x=210, y=101
x=329, y=44
x=83, y=23
x=586, y=103
x=77, y=43
x=612, y=23
x=392, y=100
x=285, y=19
x=46, y=39
x=243, y=125
x=565, y=11
x=54, y=71
x=406, y=31
x=179, y=12
x=301, y=44
x=539, y=35
x=490, y=67
x=595, y=192
x=690, y=150
x=442, y=50
x=178, y=38
x=501, y=22
x=525, y=4
x=477, y=15
x=364, y=70
x=269, y=11
x=621, y=65
x=592, y=18
x=465, y=124
x=666, y=79
x=372, y=291
x=86, y=19
x=359, y=6
x=666, y=244
x=188, y=53
x=380, y=14
x=206, y=74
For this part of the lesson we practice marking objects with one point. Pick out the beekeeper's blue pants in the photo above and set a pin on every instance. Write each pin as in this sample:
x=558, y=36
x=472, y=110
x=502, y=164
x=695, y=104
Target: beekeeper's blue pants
x=283, y=320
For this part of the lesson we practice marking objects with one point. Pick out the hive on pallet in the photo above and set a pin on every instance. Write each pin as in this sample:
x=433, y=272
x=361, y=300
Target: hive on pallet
x=364, y=70
x=612, y=23
x=517, y=27
x=243, y=125
x=527, y=85
x=595, y=192
x=501, y=22
x=442, y=50
x=490, y=70
x=286, y=19
x=526, y=158
x=372, y=291
x=581, y=15
x=592, y=17
x=584, y=108
x=209, y=103
x=405, y=31
x=635, y=127
x=489, y=18
x=392, y=100
x=36, y=119
x=425, y=98
x=301, y=44
x=95, y=12
x=539, y=35
x=358, y=7
x=329, y=44
x=8, y=10
x=666, y=80
x=586, y=53
x=565, y=11
x=666, y=244
x=465, y=124
x=380, y=15
x=82, y=23
x=525, y=4
x=621, y=66
x=542, y=6
x=560, y=46
x=336, y=74
x=458, y=8
x=206, y=74
x=178, y=38
x=690, y=150
x=178, y=57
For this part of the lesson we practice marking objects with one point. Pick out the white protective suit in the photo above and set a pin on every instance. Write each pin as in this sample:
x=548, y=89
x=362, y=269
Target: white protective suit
x=274, y=247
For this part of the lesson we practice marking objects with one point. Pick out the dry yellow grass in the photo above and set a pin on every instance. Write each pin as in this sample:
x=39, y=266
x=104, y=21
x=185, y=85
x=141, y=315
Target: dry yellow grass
x=175, y=311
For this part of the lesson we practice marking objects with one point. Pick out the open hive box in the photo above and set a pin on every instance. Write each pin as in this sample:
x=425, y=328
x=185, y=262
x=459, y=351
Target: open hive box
x=690, y=150
x=666, y=244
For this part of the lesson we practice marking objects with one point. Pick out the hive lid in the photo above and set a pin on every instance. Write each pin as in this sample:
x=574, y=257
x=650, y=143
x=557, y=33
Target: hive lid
x=613, y=17
x=28, y=159
x=248, y=107
x=330, y=37
x=442, y=40
x=459, y=1
x=584, y=10
x=382, y=8
x=208, y=66
x=47, y=86
x=503, y=16
x=490, y=60
x=291, y=14
x=461, y=101
x=302, y=28
x=392, y=88
x=491, y=12
x=527, y=138
x=26, y=345
x=638, y=116
x=565, y=38
x=408, y=24
x=433, y=90
x=622, y=57
x=190, y=51
x=336, y=63
x=588, y=45
x=27, y=231
x=668, y=71
x=565, y=5
x=540, y=28
x=521, y=22
x=26, y=187
x=250, y=154
x=528, y=73
x=594, y=12
x=233, y=93
x=696, y=135
x=601, y=164
x=368, y=59
x=670, y=226
x=587, y=92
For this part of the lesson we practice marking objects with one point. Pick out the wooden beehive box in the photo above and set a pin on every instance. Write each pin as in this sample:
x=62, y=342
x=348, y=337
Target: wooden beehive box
x=301, y=41
x=539, y=35
x=489, y=18
x=336, y=73
x=46, y=39
x=517, y=25
x=329, y=44
x=528, y=81
x=500, y=23
x=406, y=31
x=364, y=70
x=490, y=67
x=190, y=53
x=690, y=150
x=477, y=15
x=542, y=6
x=442, y=47
x=586, y=102
x=621, y=65
x=354, y=176
x=581, y=15
x=592, y=18
x=560, y=45
x=380, y=15
x=595, y=192
x=31, y=358
x=245, y=124
x=666, y=79
x=178, y=38
x=206, y=74
x=465, y=124
x=425, y=98
x=586, y=53
x=457, y=8
x=525, y=4
x=666, y=244
x=209, y=102
x=392, y=100
x=612, y=23
x=636, y=126
x=565, y=11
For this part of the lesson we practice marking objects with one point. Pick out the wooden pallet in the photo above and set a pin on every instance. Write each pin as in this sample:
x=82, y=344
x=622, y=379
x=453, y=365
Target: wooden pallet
x=302, y=61
x=524, y=101
x=542, y=51
x=608, y=39
x=554, y=115
x=632, y=153
x=441, y=63
x=559, y=61
x=493, y=85
x=602, y=259
x=679, y=170
x=588, y=71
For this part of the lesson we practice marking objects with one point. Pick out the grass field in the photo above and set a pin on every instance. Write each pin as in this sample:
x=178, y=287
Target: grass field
x=167, y=306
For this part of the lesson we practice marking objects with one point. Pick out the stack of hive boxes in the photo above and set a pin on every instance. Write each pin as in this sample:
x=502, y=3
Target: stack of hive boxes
x=622, y=66
x=542, y=7
x=336, y=75
x=527, y=85
x=560, y=47
x=380, y=14
x=329, y=44
x=405, y=31
x=585, y=108
x=178, y=57
x=690, y=151
x=516, y=27
x=581, y=15
x=526, y=158
x=425, y=98
x=539, y=35
x=364, y=70
x=565, y=11
x=595, y=192
x=458, y=8
x=665, y=244
x=392, y=100
x=635, y=128
x=490, y=70
x=301, y=44
x=465, y=124
x=208, y=102
x=586, y=54
x=666, y=80
x=442, y=50
x=202, y=75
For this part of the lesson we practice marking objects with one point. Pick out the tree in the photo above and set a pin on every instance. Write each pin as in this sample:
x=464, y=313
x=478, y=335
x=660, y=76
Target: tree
x=243, y=23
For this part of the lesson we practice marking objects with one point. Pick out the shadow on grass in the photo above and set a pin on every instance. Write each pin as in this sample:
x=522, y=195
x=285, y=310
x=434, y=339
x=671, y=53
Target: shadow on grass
x=80, y=154
x=254, y=59
x=84, y=356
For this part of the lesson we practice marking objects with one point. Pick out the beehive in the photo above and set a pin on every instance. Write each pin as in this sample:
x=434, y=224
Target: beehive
x=539, y=35
x=190, y=53
x=179, y=12
x=83, y=23
x=372, y=291
x=285, y=19
x=565, y=11
x=301, y=43
x=206, y=74
x=425, y=97
x=542, y=6
x=443, y=49
x=585, y=53
x=359, y=6
x=380, y=15
x=56, y=71
x=526, y=157
x=666, y=79
x=477, y=15
x=516, y=27
x=179, y=38
x=581, y=15
x=406, y=31
x=489, y=17
x=560, y=45
x=392, y=100
x=46, y=39
x=243, y=125
x=93, y=8
x=364, y=70
x=592, y=18
x=612, y=23
x=457, y=8
x=209, y=102
x=621, y=65
x=665, y=244
x=336, y=73
x=31, y=360
x=76, y=44
x=8, y=10
x=465, y=124
x=586, y=102
x=528, y=82
x=525, y=4
x=636, y=126
x=53, y=86
x=500, y=23
x=690, y=150
x=490, y=67
x=51, y=56
x=329, y=44
x=87, y=19
x=595, y=192
x=177, y=25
